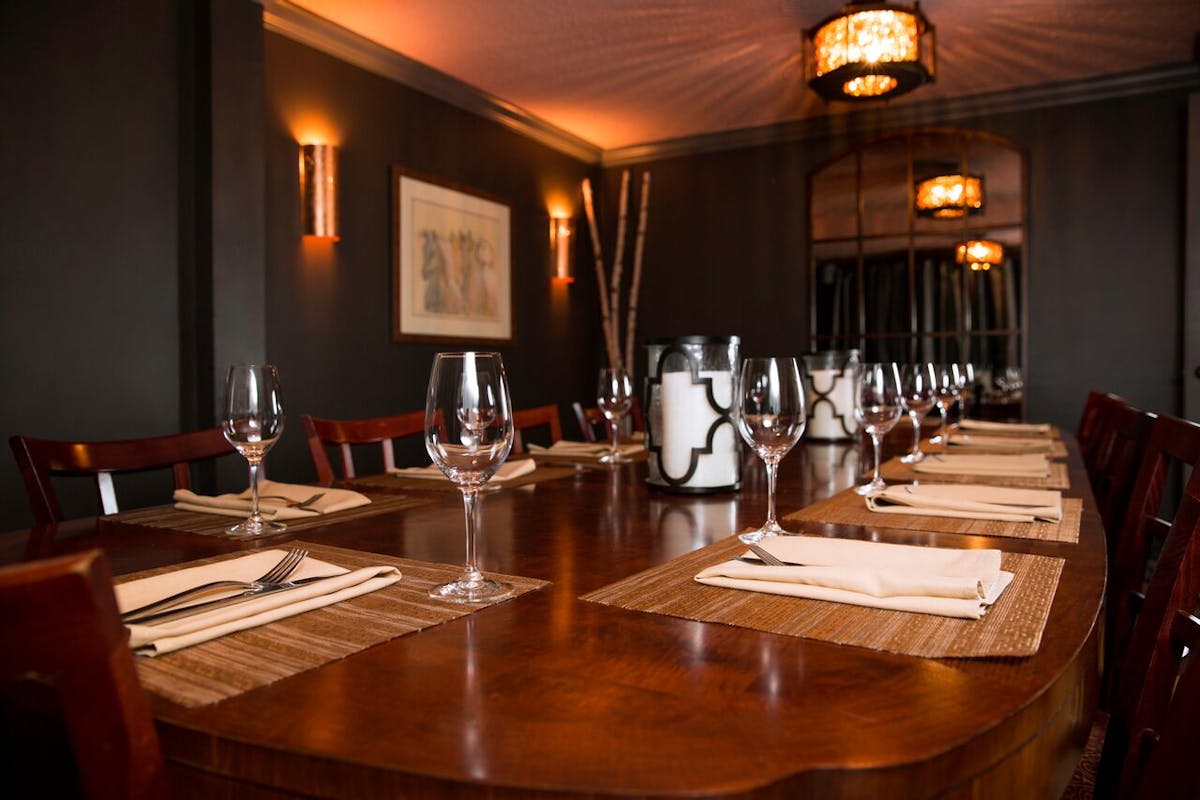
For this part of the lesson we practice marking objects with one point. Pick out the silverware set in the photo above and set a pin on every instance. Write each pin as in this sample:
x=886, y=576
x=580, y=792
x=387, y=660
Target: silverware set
x=273, y=578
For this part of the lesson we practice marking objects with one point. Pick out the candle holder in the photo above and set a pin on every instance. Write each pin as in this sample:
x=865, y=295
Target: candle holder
x=693, y=445
x=829, y=392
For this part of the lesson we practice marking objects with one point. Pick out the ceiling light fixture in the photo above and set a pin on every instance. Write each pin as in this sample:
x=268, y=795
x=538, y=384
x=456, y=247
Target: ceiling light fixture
x=950, y=196
x=979, y=254
x=869, y=51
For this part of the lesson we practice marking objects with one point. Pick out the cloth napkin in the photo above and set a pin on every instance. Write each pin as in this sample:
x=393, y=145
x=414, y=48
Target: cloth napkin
x=270, y=503
x=969, y=501
x=1031, y=444
x=1031, y=465
x=508, y=470
x=983, y=426
x=925, y=580
x=155, y=640
x=565, y=447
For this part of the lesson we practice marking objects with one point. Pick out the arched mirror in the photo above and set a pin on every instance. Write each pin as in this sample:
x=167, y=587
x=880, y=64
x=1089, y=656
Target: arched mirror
x=917, y=253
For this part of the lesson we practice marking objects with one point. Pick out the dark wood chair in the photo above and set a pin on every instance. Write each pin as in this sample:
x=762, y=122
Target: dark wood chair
x=38, y=459
x=594, y=426
x=66, y=664
x=1094, y=433
x=531, y=418
x=1124, y=438
x=323, y=433
x=1140, y=668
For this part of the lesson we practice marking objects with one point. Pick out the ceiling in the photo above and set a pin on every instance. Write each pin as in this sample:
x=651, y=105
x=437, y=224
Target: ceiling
x=619, y=73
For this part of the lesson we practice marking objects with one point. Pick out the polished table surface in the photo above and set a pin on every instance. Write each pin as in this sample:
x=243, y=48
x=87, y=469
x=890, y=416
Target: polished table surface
x=552, y=695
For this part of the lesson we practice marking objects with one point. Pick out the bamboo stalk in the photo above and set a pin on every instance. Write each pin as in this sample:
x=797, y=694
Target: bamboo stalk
x=636, y=281
x=614, y=302
x=610, y=344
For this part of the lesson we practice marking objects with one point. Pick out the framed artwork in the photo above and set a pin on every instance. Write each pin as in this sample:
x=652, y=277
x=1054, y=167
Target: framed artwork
x=451, y=263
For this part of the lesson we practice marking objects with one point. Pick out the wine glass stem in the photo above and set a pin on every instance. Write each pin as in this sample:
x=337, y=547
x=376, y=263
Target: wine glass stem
x=916, y=421
x=944, y=411
x=615, y=425
x=772, y=469
x=254, y=512
x=470, y=509
x=877, y=440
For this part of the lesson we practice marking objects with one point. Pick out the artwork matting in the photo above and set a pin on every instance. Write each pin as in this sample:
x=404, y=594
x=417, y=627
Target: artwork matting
x=451, y=262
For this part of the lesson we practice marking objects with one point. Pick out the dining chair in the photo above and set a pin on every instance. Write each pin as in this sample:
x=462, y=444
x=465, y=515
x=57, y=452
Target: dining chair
x=1095, y=426
x=594, y=425
x=1126, y=434
x=67, y=665
x=1139, y=614
x=323, y=433
x=39, y=459
x=532, y=418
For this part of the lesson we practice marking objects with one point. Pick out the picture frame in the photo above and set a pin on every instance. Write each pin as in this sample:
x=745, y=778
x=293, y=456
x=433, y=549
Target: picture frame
x=451, y=262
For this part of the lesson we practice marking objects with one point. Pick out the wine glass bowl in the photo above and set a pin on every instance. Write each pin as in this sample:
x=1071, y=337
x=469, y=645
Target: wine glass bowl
x=878, y=402
x=614, y=398
x=771, y=419
x=252, y=422
x=917, y=394
x=468, y=434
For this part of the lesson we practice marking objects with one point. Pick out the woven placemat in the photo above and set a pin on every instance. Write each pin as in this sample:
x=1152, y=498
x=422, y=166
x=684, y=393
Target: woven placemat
x=225, y=667
x=399, y=482
x=550, y=457
x=1054, y=448
x=1054, y=433
x=1011, y=627
x=848, y=508
x=896, y=470
x=217, y=524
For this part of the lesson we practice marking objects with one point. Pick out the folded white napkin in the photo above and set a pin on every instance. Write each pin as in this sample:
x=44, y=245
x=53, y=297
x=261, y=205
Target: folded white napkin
x=1022, y=465
x=925, y=580
x=271, y=501
x=969, y=501
x=564, y=447
x=167, y=636
x=984, y=426
x=1032, y=444
x=508, y=470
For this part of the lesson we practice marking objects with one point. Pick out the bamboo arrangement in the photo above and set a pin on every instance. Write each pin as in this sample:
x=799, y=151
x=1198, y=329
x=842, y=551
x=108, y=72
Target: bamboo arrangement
x=610, y=285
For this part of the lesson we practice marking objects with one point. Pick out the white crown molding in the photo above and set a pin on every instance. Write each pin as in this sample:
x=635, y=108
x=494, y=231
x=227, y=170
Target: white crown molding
x=300, y=25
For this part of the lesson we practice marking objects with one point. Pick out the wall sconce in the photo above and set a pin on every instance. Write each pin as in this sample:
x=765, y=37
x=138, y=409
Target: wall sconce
x=979, y=254
x=562, y=238
x=318, y=190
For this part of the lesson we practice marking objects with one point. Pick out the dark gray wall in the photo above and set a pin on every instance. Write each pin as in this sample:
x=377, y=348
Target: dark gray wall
x=328, y=308
x=1105, y=247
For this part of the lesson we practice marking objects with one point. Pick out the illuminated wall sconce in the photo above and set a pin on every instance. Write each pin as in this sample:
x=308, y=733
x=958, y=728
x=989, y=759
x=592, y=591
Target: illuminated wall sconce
x=318, y=190
x=979, y=254
x=562, y=241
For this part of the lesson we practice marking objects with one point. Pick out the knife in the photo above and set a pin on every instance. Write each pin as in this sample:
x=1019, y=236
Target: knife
x=183, y=612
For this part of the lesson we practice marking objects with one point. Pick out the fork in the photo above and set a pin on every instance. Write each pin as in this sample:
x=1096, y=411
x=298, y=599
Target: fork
x=770, y=559
x=300, y=504
x=276, y=574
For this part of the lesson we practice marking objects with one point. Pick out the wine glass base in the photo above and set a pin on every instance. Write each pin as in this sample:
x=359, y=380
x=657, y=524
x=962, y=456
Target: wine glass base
x=750, y=537
x=483, y=590
x=913, y=458
x=874, y=487
x=615, y=458
x=248, y=529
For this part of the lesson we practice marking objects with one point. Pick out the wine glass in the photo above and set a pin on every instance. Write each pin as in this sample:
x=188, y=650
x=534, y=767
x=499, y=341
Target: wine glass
x=614, y=396
x=877, y=406
x=966, y=386
x=945, y=389
x=771, y=419
x=469, y=433
x=252, y=422
x=916, y=387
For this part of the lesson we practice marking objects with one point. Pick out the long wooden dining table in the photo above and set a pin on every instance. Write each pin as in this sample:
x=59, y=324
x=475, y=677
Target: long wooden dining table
x=550, y=695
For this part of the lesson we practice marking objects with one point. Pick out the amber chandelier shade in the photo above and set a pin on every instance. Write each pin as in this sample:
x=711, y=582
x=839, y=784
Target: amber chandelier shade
x=870, y=51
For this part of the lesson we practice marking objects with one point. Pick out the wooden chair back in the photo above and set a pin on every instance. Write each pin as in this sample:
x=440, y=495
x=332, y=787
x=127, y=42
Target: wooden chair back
x=1097, y=444
x=38, y=459
x=63, y=636
x=342, y=434
x=1127, y=432
x=530, y=418
x=1151, y=704
x=594, y=426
